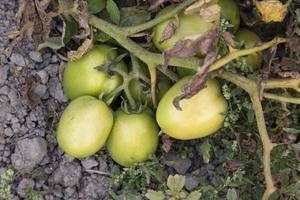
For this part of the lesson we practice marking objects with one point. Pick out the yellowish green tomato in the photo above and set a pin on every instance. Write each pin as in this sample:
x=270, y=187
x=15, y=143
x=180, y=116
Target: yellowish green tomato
x=192, y=24
x=82, y=78
x=84, y=126
x=250, y=39
x=201, y=115
x=133, y=137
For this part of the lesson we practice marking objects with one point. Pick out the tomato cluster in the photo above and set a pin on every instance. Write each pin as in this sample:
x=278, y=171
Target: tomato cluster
x=88, y=123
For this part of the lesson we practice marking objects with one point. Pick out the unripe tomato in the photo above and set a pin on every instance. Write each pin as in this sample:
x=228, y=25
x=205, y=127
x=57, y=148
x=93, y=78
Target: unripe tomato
x=133, y=137
x=250, y=40
x=201, y=115
x=192, y=24
x=82, y=78
x=84, y=126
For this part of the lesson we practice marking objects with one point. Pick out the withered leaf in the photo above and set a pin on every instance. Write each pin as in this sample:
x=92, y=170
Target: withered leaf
x=168, y=32
x=85, y=47
x=233, y=165
x=208, y=10
x=228, y=38
x=166, y=143
x=83, y=18
x=197, y=83
x=191, y=45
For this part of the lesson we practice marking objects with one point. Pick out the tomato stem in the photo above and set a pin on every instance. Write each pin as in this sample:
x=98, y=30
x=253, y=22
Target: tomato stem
x=135, y=29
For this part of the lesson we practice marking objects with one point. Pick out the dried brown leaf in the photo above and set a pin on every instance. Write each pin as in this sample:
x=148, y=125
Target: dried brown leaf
x=154, y=4
x=166, y=143
x=191, y=45
x=168, y=32
x=233, y=165
x=85, y=47
x=228, y=38
x=83, y=18
x=208, y=10
x=197, y=83
x=27, y=91
x=26, y=31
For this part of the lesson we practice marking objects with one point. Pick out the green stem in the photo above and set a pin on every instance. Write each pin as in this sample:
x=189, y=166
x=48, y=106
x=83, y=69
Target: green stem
x=238, y=53
x=135, y=29
x=282, y=83
x=138, y=51
x=282, y=98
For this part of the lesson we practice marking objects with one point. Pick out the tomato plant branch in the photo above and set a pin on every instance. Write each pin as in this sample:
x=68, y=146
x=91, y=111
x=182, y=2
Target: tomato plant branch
x=282, y=83
x=135, y=29
x=253, y=90
x=153, y=78
x=282, y=98
x=238, y=53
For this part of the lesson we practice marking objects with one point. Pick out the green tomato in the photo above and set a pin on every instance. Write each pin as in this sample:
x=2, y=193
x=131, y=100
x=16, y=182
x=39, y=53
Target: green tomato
x=201, y=115
x=250, y=39
x=133, y=137
x=192, y=24
x=84, y=126
x=82, y=78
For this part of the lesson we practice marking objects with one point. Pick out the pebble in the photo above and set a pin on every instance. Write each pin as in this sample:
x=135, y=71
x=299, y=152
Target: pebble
x=36, y=56
x=28, y=153
x=68, y=174
x=40, y=90
x=181, y=165
x=89, y=163
x=43, y=75
x=56, y=91
x=18, y=59
x=3, y=74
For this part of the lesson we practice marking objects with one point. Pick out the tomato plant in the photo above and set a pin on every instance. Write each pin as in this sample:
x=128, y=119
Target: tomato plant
x=84, y=126
x=250, y=39
x=201, y=115
x=133, y=137
x=82, y=78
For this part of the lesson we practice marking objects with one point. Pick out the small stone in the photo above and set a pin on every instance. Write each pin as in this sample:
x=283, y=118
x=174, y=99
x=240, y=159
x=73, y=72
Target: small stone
x=191, y=182
x=3, y=74
x=54, y=59
x=36, y=56
x=89, y=163
x=94, y=188
x=28, y=153
x=8, y=132
x=56, y=91
x=25, y=185
x=40, y=90
x=181, y=165
x=43, y=76
x=68, y=174
x=18, y=59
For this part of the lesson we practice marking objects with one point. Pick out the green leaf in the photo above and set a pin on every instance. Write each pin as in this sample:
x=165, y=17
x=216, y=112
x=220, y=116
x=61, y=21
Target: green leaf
x=155, y=195
x=70, y=28
x=131, y=16
x=205, y=149
x=195, y=195
x=176, y=183
x=113, y=11
x=231, y=194
x=96, y=6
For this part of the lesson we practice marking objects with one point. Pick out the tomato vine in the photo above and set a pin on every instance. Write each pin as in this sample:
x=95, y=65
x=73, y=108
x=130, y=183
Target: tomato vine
x=253, y=88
